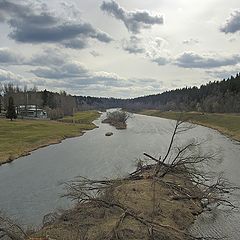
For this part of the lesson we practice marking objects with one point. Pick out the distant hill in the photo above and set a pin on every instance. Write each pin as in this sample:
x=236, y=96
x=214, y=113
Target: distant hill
x=217, y=96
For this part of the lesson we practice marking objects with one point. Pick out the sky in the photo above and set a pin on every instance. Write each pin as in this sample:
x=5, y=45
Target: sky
x=118, y=48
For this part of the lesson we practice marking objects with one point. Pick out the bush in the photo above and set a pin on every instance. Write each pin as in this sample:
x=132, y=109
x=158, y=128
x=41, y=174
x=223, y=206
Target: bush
x=117, y=119
x=117, y=116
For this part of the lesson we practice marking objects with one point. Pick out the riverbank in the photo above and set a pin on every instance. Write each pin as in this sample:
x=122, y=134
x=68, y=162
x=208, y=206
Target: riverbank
x=136, y=207
x=20, y=137
x=227, y=124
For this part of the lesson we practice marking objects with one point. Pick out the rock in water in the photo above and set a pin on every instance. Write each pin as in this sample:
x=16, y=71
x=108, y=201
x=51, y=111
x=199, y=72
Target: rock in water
x=108, y=134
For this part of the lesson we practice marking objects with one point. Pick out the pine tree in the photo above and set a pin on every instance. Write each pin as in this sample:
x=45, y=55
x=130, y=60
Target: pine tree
x=11, y=113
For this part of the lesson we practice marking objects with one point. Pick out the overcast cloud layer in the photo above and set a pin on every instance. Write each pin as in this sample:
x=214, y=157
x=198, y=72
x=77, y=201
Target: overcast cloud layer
x=118, y=48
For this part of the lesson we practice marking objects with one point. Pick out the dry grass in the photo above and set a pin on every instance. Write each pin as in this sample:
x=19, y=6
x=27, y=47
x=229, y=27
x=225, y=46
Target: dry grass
x=93, y=221
x=82, y=117
x=19, y=137
x=225, y=123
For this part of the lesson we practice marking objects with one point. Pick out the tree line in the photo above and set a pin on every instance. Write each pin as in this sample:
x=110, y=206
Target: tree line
x=218, y=96
x=56, y=104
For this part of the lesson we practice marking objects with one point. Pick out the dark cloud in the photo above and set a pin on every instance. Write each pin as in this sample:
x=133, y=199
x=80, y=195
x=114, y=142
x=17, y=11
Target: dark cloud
x=133, y=45
x=232, y=24
x=193, y=60
x=37, y=25
x=30, y=33
x=9, y=57
x=133, y=20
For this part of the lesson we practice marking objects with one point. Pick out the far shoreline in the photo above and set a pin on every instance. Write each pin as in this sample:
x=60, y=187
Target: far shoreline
x=232, y=135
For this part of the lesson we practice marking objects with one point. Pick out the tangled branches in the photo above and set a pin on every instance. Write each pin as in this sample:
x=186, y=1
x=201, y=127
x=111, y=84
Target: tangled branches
x=10, y=230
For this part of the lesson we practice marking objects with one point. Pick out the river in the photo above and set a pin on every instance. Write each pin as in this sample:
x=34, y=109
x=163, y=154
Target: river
x=30, y=187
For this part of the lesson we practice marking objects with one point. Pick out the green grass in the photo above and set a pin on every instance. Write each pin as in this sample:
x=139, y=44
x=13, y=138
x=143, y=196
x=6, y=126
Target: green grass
x=18, y=137
x=81, y=117
x=225, y=123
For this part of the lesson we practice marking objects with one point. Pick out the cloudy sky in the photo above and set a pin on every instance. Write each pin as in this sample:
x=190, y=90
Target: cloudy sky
x=118, y=48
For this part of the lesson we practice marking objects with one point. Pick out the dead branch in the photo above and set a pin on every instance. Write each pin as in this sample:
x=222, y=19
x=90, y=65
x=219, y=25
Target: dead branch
x=10, y=229
x=81, y=192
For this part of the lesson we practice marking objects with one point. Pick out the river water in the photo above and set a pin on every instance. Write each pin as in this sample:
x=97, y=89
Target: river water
x=30, y=187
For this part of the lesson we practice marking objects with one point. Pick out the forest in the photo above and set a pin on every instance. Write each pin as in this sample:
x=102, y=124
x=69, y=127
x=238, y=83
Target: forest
x=214, y=97
x=218, y=96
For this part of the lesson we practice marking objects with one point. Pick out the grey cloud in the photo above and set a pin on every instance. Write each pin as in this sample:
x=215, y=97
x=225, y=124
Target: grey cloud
x=71, y=9
x=133, y=20
x=25, y=32
x=68, y=70
x=75, y=43
x=73, y=74
x=10, y=8
x=232, y=24
x=49, y=56
x=224, y=73
x=133, y=45
x=75, y=78
x=161, y=61
x=102, y=37
x=25, y=13
x=8, y=76
x=95, y=53
x=9, y=57
x=32, y=25
x=193, y=60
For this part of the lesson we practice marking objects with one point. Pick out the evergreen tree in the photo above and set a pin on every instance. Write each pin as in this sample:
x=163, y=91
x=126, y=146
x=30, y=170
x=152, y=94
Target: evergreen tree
x=11, y=113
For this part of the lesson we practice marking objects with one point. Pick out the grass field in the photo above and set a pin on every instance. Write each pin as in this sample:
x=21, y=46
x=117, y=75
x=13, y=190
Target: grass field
x=228, y=124
x=81, y=117
x=19, y=137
